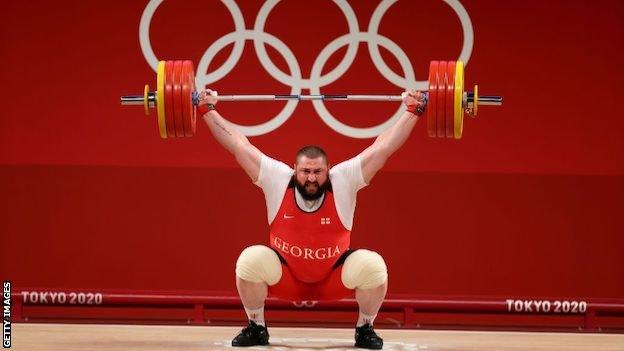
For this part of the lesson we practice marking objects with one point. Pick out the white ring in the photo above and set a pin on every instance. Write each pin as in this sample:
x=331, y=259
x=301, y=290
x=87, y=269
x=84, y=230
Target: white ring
x=380, y=64
x=319, y=106
x=148, y=51
x=289, y=57
x=330, y=77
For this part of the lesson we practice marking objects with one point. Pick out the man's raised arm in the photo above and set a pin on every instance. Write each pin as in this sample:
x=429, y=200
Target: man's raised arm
x=375, y=156
x=247, y=155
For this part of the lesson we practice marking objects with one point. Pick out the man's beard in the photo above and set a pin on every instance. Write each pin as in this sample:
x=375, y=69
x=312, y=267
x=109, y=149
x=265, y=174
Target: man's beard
x=320, y=190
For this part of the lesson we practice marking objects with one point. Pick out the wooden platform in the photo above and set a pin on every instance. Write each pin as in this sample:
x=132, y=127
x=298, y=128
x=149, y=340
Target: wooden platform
x=69, y=337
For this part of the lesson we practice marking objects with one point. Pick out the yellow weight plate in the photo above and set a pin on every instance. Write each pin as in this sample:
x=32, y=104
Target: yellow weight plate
x=145, y=102
x=160, y=99
x=459, y=98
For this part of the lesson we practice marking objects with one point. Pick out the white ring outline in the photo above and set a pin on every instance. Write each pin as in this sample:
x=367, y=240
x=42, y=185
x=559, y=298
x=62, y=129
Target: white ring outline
x=150, y=56
x=380, y=64
x=321, y=81
x=322, y=110
x=289, y=57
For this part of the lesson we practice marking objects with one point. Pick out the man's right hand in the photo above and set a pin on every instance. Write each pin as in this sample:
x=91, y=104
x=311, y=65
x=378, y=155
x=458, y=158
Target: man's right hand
x=207, y=101
x=208, y=97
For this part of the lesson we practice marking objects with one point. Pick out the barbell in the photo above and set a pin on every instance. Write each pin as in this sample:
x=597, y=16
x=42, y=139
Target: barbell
x=176, y=99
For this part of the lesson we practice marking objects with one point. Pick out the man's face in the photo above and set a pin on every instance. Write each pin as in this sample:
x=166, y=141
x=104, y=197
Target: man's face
x=311, y=177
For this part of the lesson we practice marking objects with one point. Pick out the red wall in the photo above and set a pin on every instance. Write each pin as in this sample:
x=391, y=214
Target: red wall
x=527, y=203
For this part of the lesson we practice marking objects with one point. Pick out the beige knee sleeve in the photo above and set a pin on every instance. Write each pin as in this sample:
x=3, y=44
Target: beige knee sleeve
x=259, y=263
x=364, y=269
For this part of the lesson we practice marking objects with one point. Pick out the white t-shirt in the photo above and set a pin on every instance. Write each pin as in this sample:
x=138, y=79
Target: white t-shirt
x=346, y=179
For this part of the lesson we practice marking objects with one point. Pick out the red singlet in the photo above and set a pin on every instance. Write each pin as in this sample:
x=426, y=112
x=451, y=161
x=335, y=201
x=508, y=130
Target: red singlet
x=309, y=242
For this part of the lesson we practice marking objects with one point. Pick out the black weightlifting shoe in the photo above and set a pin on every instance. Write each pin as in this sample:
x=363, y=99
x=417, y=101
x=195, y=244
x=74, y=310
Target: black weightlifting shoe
x=252, y=335
x=366, y=338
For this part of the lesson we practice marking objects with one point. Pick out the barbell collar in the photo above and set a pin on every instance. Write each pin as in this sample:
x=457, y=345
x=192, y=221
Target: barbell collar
x=489, y=100
x=137, y=100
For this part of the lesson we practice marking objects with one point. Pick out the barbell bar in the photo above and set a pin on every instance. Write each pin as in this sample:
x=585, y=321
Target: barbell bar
x=175, y=99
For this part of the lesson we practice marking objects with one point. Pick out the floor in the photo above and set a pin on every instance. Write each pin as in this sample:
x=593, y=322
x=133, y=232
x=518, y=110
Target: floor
x=68, y=337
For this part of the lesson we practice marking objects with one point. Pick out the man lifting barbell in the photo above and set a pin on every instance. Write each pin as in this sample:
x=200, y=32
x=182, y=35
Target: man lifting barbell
x=310, y=208
x=310, y=212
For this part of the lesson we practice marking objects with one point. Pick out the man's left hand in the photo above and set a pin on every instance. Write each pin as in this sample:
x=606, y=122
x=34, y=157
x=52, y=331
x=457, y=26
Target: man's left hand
x=415, y=101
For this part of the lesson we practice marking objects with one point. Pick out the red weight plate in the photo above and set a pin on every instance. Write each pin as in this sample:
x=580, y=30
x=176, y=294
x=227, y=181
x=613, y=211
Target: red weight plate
x=193, y=107
x=432, y=98
x=169, y=120
x=450, y=100
x=440, y=116
x=177, y=98
x=188, y=110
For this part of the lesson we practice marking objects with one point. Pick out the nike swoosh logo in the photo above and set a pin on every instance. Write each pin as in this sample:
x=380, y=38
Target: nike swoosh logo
x=288, y=217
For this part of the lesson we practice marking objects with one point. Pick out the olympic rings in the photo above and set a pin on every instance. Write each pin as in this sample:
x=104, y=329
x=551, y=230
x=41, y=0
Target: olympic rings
x=316, y=80
x=305, y=303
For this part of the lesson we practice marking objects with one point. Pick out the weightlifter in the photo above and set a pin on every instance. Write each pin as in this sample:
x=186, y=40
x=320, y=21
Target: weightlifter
x=310, y=213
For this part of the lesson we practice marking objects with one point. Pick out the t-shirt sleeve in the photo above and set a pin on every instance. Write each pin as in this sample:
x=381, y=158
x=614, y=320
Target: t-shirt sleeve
x=347, y=180
x=273, y=179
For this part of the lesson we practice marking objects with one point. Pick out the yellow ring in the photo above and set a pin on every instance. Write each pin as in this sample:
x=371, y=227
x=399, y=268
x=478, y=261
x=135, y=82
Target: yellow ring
x=160, y=99
x=475, y=103
x=459, y=99
x=145, y=102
